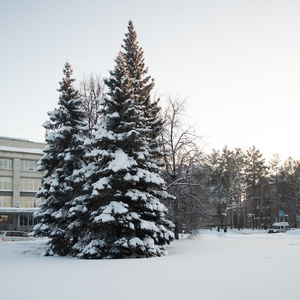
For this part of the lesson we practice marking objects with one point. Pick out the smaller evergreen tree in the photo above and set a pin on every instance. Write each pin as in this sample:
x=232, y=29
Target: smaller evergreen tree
x=63, y=157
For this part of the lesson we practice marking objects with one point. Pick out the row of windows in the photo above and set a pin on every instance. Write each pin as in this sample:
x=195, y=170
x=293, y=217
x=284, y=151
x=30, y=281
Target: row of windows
x=5, y=201
x=6, y=183
x=26, y=165
x=28, y=202
x=26, y=184
x=6, y=164
x=30, y=184
x=25, y=202
x=26, y=220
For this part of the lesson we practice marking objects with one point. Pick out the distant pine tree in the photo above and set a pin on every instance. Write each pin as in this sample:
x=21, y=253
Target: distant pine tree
x=63, y=156
x=125, y=216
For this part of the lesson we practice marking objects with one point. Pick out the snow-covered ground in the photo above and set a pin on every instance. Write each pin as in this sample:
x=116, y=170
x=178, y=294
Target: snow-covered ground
x=240, y=265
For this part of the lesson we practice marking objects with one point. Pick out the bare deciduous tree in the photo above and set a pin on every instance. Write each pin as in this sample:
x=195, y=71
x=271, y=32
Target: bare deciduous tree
x=181, y=157
x=91, y=90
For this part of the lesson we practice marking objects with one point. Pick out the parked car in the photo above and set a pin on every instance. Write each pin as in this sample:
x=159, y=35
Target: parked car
x=185, y=229
x=15, y=236
x=279, y=227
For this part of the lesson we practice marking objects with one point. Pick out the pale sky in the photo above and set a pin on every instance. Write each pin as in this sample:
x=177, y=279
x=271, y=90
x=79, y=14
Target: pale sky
x=238, y=62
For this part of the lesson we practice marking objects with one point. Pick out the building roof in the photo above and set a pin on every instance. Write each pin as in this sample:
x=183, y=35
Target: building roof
x=21, y=146
x=22, y=150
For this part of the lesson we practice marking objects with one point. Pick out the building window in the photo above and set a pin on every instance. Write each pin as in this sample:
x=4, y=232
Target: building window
x=23, y=220
x=28, y=165
x=5, y=201
x=30, y=184
x=6, y=183
x=3, y=222
x=6, y=163
x=27, y=220
x=29, y=202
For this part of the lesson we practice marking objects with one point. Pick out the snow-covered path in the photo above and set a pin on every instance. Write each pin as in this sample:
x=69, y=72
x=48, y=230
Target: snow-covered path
x=236, y=265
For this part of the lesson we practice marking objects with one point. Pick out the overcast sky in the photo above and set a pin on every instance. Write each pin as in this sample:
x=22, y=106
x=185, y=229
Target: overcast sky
x=238, y=62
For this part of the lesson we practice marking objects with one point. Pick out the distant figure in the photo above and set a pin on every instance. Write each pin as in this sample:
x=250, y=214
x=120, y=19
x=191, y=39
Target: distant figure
x=225, y=229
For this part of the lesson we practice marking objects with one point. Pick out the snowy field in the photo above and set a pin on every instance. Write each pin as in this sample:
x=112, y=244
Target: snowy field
x=240, y=265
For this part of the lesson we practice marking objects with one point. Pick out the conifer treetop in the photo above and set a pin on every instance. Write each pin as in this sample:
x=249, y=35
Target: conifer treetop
x=134, y=56
x=68, y=113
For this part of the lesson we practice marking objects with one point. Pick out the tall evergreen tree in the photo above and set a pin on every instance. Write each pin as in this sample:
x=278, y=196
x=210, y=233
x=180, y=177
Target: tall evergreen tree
x=256, y=171
x=275, y=164
x=289, y=189
x=142, y=85
x=63, y=156
x=125, y=216
x=135, y=65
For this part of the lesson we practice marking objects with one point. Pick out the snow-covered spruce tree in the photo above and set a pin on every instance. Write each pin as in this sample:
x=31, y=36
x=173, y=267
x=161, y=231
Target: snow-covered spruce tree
x=134, y=62
x=126, y=216
x=142, y=85
x=63, y=156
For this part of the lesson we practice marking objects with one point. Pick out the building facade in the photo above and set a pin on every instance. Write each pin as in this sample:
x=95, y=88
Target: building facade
x=19, y=182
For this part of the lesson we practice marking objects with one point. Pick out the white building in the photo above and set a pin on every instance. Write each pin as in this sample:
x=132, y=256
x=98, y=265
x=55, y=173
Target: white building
x=19, y=182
